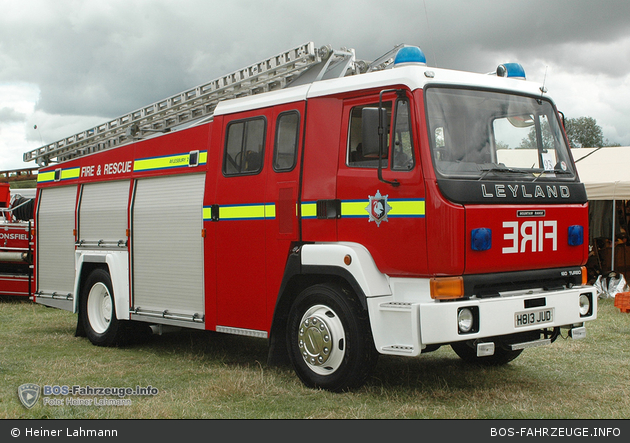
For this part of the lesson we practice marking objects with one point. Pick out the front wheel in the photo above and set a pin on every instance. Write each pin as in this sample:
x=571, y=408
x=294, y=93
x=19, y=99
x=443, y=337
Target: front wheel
x=330, y=341
x=98, y=311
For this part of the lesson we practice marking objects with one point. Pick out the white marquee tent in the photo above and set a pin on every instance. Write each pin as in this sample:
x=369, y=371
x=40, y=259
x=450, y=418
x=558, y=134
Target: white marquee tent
x=605, y=172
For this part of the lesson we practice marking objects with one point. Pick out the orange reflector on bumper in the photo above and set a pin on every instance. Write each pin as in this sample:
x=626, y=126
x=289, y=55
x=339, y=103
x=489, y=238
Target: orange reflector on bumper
x=445, y=288
x=584, y=275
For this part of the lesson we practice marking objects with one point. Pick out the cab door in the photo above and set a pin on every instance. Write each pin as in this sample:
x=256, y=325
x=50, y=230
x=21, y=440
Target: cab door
x=383, y=210
x=282, y=194
x=239, y=223
x=255, y=214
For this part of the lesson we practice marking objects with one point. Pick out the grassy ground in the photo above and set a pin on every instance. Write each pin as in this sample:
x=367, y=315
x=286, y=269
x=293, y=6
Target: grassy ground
x=209, y=375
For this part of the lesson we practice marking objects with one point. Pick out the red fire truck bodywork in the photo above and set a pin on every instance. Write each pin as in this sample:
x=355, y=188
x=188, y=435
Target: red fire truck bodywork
x=270, y=221
x=16, y=276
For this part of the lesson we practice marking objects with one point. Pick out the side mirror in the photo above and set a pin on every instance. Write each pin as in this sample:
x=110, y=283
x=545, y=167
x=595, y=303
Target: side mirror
x=370, y=131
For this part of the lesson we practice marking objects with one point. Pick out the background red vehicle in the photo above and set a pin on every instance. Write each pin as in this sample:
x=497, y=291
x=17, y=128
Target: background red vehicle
x=16, y=249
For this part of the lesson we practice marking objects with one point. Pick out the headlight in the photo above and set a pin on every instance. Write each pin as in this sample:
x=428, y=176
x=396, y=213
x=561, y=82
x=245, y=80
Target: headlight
x=585, y=304
x=465, y=320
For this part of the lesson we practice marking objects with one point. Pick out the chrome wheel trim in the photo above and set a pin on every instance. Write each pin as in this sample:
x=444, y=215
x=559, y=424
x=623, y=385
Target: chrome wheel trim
x=322, y=340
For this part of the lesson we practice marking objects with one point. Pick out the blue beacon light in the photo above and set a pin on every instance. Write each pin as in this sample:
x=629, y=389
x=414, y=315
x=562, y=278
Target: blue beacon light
x=511, y=70
x=410, y=55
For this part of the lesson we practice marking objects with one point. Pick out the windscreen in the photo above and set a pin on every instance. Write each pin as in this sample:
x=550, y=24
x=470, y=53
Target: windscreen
x=479, y=134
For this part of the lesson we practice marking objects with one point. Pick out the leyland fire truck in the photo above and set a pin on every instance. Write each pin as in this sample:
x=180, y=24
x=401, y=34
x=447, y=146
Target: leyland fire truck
x=336, y=207
x=16, y=248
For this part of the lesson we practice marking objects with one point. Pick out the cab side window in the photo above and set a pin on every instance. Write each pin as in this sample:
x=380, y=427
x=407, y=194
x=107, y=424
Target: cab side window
x=402, y=158
x=286, y=143
x=244, y=147
x=356, y=158
x=398, y=152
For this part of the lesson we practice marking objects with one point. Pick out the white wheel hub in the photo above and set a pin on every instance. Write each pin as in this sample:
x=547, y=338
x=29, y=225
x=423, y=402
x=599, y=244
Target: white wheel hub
x=99, y=308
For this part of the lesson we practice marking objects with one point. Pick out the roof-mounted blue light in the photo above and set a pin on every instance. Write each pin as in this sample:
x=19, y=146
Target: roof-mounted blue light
x=410, y=55
x=511, y=70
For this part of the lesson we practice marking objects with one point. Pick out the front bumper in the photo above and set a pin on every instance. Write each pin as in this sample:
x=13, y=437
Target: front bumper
x=409, y=320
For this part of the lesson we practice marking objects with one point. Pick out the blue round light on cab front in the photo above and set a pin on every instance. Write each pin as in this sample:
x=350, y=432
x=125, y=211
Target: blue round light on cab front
x=481, y=239
x=576, y=235
x=410, y=55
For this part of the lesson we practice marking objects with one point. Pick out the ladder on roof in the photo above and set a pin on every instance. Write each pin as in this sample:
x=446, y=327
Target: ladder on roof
x=300, y=65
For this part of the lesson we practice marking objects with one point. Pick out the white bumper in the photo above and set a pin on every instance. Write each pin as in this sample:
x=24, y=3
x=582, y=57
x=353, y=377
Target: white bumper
x=409, y=320
x=405, y=319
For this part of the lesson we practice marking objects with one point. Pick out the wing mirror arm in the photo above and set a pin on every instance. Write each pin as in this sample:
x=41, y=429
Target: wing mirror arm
x=374, y=135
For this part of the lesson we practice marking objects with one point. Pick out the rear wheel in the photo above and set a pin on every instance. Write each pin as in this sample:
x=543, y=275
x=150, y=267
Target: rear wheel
x=330, y=342
x=466, y=351
x=98, y=310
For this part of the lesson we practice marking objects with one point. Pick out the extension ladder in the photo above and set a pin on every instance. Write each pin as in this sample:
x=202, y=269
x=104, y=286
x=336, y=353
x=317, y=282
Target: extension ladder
x=300, y=65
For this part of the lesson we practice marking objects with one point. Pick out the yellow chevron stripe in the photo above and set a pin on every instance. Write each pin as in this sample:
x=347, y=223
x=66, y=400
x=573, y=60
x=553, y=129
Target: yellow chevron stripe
x=309, y=210
x=247, y=212
x=45, y=176
x=207, y=213
x=66, y=174
x=354, y=208
x=406, y=207
x=270, y=211
x=169, y=161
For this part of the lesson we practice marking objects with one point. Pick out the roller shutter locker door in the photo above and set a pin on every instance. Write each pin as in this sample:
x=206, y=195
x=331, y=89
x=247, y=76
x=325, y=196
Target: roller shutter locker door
x=167, y=246
x=55, y=239
x=103, y=212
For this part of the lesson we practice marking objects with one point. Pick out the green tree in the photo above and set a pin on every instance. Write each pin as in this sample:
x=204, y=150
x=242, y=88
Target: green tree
x=531, y=141
x=584, y=132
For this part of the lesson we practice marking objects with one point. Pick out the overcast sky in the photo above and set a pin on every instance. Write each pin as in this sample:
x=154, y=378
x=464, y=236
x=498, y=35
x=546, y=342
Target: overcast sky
x=69, y=65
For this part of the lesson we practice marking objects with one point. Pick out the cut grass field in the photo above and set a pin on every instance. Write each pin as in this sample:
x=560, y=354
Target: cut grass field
x=215, y=376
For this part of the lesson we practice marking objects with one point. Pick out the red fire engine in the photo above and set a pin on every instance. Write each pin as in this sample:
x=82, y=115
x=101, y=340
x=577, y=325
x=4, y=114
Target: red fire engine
x=339, y=208
x=16, y=252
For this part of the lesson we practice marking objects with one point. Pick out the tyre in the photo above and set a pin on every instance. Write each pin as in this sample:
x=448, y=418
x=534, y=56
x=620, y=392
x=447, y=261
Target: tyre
x=98, y=312
x=329, y=337
x=467, y=352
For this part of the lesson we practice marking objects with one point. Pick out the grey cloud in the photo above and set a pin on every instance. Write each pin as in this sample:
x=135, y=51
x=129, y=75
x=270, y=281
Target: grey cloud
x=111, y=57
x=10, y=115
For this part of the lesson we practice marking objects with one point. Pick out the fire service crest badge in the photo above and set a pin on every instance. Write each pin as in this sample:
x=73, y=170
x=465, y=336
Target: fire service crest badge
x=378, y=208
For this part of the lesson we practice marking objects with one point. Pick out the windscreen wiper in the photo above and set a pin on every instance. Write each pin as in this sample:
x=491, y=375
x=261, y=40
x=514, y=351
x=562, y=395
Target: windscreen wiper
x=553, y=171
x=500, y=169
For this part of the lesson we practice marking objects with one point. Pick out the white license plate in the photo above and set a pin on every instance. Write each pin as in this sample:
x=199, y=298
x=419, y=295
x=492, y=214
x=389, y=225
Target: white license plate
x=537, y=317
